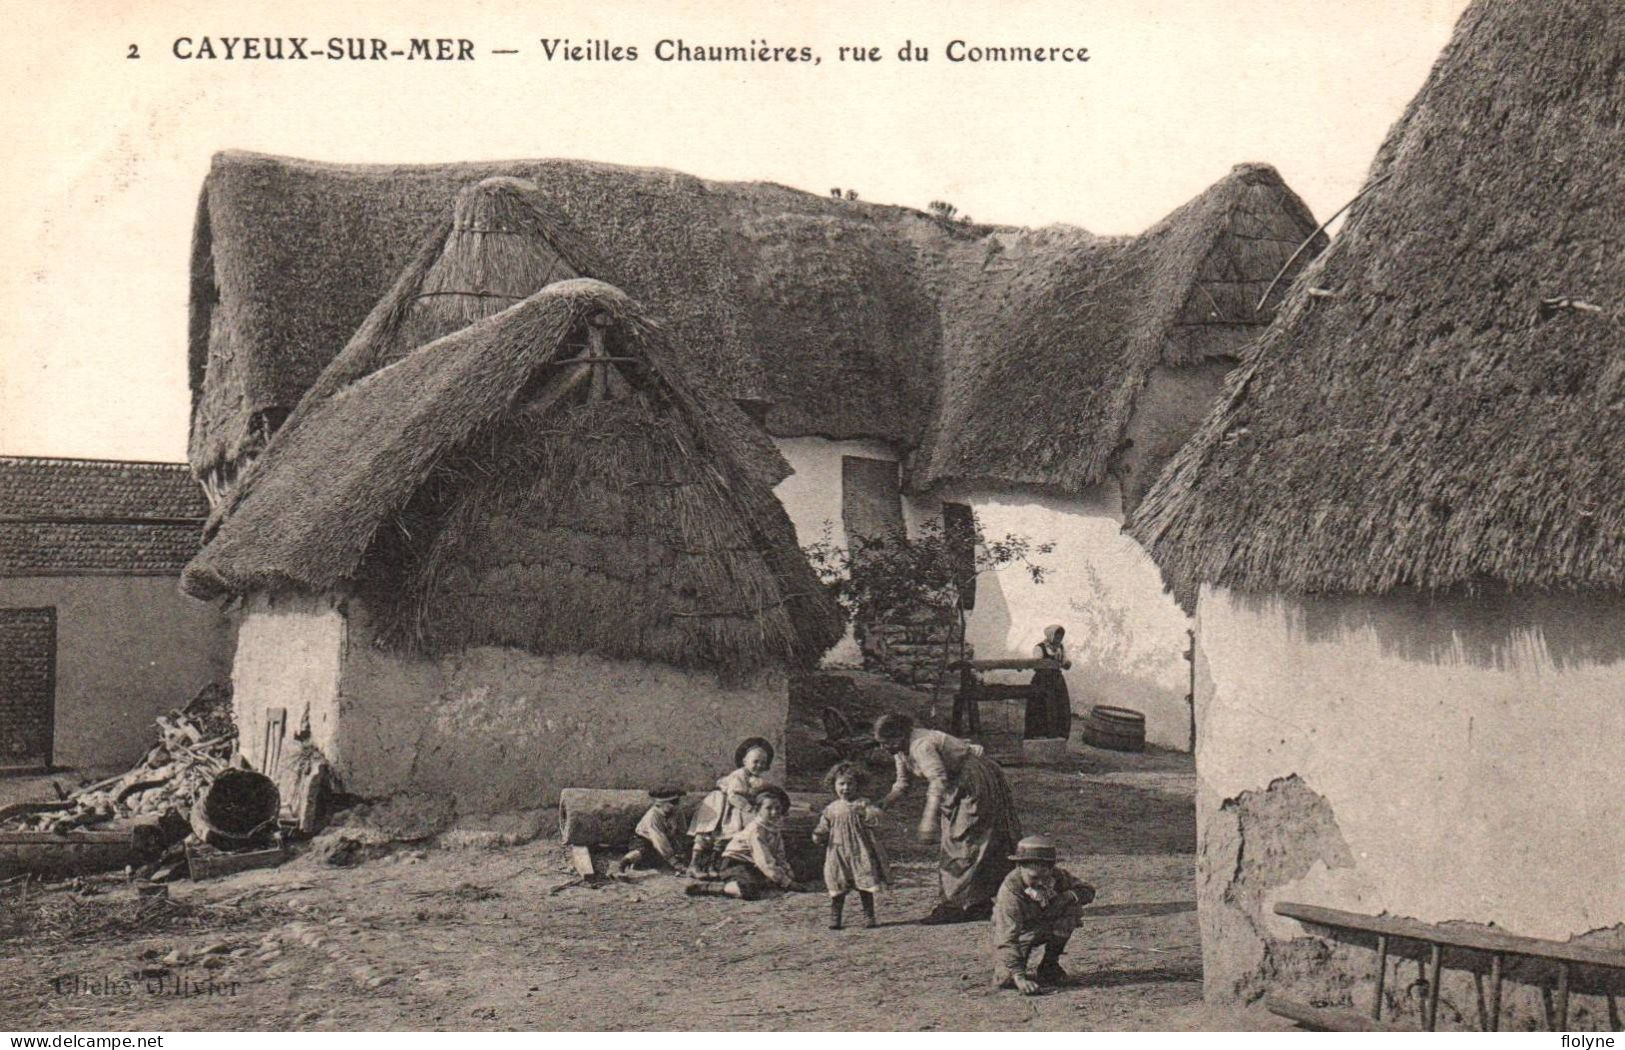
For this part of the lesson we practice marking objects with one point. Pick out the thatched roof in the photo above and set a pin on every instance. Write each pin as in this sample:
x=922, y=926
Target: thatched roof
x=1449, y=408
x=843, y=315
x=1051, y=334
x=476, y=496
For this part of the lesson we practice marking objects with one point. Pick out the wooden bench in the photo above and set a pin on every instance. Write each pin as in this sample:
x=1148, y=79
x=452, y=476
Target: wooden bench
x=1493, y=943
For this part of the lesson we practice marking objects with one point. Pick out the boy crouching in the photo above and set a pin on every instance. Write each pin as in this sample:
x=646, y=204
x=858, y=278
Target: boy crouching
x=1037, y=906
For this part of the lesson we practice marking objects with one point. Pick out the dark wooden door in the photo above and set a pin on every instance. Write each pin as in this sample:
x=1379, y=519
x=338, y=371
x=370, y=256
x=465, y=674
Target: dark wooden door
x=27, y=687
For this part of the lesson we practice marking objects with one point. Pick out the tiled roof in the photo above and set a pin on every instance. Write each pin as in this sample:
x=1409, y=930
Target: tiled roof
x=32, y=486
x=67, y=516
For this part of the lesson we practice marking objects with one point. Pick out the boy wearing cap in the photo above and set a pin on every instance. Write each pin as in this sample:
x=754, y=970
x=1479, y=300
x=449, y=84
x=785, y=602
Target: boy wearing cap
x=657, y=840
x=1037, y=906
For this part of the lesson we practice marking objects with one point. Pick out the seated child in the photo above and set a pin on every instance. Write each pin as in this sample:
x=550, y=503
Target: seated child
x=725, y=812
x=754, y=860
x=1037, y=906
x=658, y=838
x=853, y=860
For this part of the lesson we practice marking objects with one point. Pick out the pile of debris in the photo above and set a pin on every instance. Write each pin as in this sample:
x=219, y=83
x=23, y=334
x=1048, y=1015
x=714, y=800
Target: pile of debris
x=194, y=746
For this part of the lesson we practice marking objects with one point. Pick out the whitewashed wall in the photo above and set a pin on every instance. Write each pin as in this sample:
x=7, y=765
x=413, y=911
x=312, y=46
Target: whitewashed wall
x=1440, y=759
x=1126, y=636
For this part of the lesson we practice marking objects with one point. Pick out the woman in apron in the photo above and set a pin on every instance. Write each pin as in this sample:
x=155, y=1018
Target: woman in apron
x=1049, y=713
x=969, y=812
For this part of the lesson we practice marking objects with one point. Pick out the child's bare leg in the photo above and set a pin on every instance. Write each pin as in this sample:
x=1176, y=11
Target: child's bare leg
x=867, y=899
x=632, y=857
x=837, y=903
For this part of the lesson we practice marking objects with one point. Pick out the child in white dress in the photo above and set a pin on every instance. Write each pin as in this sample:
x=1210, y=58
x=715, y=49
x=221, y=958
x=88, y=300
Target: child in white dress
x=853, y=859
x=725, y=812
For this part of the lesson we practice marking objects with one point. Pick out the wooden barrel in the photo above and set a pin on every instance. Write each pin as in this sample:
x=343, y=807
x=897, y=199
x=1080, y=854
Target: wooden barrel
x=1114, y=728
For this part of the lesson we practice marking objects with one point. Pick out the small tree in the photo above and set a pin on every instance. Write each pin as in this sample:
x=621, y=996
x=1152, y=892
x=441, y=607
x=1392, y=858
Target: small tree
x=899, y=577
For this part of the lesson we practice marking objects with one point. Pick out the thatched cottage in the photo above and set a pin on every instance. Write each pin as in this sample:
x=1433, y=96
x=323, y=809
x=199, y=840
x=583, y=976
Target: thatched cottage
x=527, y=555
x=95, y=639
x=898, y=360
x=1404, y=535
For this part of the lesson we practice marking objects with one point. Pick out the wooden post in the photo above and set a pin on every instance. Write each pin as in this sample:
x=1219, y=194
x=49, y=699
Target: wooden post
x=1562, y=996
x=1382, y=975
x=1495, y=992
x=1435, y=963
x=596, y=353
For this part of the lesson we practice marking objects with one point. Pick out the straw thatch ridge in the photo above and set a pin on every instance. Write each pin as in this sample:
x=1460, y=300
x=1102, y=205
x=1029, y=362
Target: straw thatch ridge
x=500, y=244
x=469, y=508
x=1059, y=329
x=840, y=314
x=1441, y=401
x=290, y=257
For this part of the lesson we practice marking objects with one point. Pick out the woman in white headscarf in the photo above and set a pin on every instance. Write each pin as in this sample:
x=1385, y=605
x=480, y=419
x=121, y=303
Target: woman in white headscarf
x=1049, y=713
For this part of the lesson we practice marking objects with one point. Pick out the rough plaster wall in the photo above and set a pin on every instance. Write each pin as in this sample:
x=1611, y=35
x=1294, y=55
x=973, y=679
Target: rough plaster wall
x=289, y=651
x=1125, y=636
x=1443, y=760
x=128, y=648
x=498, y=730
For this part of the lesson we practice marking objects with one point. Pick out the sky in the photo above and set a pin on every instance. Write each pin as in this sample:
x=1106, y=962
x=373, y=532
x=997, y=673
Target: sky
x=107, y=153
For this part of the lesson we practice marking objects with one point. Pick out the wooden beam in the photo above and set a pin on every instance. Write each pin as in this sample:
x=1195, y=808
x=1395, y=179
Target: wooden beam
x=596, y=353
x=557, y=389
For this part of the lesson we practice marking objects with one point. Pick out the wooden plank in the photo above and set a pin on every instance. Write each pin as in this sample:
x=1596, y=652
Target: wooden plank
x=1326, y=1018
x=1474, y=939
x=581, y=857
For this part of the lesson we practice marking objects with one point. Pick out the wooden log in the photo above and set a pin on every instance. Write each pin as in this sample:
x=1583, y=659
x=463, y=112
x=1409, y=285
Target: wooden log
x=1326, y=1018
x=606, y=816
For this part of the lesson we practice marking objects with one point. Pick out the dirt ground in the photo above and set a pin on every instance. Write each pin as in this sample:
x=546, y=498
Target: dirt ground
x=501, y=939
x=509, y=938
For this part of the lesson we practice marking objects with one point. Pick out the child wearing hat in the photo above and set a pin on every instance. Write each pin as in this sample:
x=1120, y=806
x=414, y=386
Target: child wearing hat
x=656, y=841
x=726, y=811
x=1037, y=906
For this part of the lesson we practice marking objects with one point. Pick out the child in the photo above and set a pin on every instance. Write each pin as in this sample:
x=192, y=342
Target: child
x=725, y=812
x=656, y=840
x=754, y=860
x=1037, y=907
x=852, y=857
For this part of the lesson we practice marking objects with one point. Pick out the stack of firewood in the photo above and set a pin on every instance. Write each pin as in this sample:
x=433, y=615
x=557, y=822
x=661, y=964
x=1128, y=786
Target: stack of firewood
x=173, y=774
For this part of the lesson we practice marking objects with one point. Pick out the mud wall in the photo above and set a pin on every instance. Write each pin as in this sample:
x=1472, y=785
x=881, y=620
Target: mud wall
x=1125, y=636
x=490, y=730
x=1451, y=760
x=128, y=648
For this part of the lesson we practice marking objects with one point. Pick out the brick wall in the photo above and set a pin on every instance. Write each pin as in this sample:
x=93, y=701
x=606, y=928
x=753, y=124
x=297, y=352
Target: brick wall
x=27, y=685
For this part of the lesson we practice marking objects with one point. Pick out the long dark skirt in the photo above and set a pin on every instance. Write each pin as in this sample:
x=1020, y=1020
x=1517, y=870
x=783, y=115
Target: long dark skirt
x=1049, y=711
x=980, y=830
